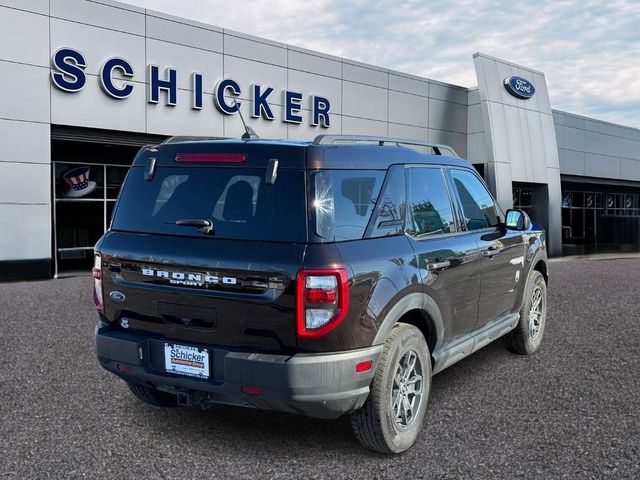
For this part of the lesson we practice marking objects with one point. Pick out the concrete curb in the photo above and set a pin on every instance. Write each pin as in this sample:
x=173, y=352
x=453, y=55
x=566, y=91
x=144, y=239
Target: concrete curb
x=598, y=257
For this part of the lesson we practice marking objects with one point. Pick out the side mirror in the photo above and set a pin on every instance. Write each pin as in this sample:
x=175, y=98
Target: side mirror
x=517, y=220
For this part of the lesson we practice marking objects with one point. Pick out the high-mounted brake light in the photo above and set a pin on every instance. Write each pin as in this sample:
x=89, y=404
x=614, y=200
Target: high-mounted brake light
x=96, y=273
x=211, y=157
x=322, y=301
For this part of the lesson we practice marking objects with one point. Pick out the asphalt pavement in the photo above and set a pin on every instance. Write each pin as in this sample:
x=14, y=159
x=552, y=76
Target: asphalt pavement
x=572, y=410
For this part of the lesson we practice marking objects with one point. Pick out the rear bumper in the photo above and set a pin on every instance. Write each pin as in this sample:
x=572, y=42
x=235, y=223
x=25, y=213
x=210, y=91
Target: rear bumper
x=317, y=385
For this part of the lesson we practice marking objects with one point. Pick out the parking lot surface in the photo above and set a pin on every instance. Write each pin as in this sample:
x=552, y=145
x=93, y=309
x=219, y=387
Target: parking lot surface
x=570, y=411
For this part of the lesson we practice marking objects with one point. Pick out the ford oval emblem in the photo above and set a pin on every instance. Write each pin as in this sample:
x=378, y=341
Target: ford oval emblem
x=117, y=296
x=519, y=87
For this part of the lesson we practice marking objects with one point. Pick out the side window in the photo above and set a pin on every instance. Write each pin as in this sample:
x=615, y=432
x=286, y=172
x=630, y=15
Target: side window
x=388, y=218
x=344, y=201
x=479, y=209
x=431, y=211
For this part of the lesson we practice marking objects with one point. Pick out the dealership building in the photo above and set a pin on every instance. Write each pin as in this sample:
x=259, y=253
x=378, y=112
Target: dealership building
x=85, y=83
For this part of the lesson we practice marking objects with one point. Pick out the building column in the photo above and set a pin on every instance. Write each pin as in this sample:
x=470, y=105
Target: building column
x=554, y=212
x=499, y=180
x=25, y=136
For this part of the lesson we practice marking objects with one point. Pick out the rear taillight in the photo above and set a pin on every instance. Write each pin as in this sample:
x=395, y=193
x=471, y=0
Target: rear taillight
x=96, y=273
x=322, y=301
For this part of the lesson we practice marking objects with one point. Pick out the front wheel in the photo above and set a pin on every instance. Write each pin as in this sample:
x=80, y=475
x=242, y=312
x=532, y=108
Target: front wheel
x=527, y=336
x=392, y=417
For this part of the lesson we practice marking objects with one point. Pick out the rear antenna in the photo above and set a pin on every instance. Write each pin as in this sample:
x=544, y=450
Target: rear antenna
x=249, y=133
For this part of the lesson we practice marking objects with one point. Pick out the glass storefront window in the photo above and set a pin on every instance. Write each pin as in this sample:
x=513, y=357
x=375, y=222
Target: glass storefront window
x=79, y=224
x=86, y=180
x=604, y=221
x=85, y=197
x=577, y=199
x=115, y=178
x=110, y=206
x=628, y=204
x=523, y=199
x=77, y=180
x=588, y=200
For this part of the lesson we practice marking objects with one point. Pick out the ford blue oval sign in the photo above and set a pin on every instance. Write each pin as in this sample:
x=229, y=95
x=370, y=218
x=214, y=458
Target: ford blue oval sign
x=519, y=87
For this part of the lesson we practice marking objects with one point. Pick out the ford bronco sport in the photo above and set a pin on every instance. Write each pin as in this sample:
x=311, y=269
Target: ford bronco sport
x=323, y=278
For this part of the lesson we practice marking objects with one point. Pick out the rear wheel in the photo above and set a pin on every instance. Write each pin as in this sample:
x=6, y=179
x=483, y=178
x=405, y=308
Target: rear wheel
x=392, y=417
x=152, y=396
x=527, y=336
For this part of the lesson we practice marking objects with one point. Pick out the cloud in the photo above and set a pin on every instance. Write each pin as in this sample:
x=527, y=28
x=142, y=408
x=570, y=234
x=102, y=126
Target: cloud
x=589, y=50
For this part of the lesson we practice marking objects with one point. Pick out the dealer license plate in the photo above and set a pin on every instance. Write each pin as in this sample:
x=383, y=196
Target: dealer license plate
x=186, y=360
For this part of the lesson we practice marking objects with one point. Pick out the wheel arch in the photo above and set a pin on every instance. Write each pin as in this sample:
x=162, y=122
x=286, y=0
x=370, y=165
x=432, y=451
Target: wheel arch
x=542, y=267
x=423, y=322
x=419, y=310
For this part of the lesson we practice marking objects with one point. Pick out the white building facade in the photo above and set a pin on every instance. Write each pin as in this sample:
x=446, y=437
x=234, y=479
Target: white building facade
x=85, y=83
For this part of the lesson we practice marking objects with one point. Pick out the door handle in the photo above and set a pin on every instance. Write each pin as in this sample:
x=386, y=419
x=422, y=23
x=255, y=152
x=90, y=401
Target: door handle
x=433, y=266
x=491, y=252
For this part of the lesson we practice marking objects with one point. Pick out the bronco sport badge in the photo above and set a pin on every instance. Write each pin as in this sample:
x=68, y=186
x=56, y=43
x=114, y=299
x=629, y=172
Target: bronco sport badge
x=189, y=279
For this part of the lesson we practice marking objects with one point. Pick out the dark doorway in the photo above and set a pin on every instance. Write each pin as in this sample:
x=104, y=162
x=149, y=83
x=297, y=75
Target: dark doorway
x=600, y=218
x=86, y=179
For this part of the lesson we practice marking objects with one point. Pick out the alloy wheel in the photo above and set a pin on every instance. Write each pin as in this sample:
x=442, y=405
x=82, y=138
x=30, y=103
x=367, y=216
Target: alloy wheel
x=535, y=313
x=407, y=390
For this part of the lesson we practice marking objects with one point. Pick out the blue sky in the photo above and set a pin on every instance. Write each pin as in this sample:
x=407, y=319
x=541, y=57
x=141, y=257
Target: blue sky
x=589, y=50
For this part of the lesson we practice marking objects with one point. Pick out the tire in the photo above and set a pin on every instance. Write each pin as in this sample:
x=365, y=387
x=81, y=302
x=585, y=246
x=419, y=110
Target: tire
x=525, y=339
x=375, y=423
x=152, y=396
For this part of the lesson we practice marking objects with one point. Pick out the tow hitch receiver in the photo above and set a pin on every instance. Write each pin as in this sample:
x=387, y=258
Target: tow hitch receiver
x=193, y=398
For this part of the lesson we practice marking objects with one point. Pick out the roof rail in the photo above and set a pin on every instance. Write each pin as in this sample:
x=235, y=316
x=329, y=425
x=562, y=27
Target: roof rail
x=381, y=141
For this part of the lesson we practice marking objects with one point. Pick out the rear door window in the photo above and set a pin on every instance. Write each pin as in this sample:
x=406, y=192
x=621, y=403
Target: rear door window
x=237, y=200
x=478, y=207
x=430, y=203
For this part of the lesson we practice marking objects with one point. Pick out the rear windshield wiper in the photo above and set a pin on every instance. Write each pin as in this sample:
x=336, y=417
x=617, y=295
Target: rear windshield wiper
x=205, y=226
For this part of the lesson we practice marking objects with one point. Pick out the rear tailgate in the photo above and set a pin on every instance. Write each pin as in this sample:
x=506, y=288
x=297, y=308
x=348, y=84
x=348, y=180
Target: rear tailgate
x=228, y=285
x=235, y=293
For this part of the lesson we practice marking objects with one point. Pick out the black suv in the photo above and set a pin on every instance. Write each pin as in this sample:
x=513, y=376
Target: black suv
x=324, y=278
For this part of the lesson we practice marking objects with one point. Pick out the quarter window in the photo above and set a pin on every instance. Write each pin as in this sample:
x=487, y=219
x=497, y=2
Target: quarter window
x=389, y=217
x=431, y=211
x=479, y=209
x=344, y=201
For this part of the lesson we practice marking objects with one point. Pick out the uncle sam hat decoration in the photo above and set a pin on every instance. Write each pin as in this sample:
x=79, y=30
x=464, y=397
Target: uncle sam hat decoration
x=79, y=183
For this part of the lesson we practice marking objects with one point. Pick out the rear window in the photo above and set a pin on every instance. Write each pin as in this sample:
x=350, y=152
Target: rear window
x=344, y=201
x=237, y=200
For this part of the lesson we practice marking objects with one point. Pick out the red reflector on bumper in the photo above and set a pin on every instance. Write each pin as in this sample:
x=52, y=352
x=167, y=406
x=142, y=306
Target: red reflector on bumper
x=123, y=368
x=364, y=366
x=249, y=390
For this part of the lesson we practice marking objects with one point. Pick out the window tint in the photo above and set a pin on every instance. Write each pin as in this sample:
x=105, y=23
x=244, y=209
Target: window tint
x=344, y=201
x=431, y=210
x=237, y=200
x=479, y=209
